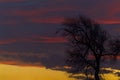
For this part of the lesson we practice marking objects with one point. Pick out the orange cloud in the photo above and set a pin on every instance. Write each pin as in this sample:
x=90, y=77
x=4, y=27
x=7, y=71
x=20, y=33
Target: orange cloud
x=14, y=62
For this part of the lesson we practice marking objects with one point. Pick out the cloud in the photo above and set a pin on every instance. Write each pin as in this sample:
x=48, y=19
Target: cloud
x=50, y=39
x=9, y=22
x=39, y=15
x=34, y=39
x=105, y=12
x=24, y=17
x=22, y=58
x=41, y=11
x=46, y=59
x=12, y=0
x=108, y=21
x=55, y=20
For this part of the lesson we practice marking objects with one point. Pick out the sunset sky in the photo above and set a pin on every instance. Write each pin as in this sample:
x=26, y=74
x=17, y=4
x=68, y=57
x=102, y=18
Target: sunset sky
x=27, y=34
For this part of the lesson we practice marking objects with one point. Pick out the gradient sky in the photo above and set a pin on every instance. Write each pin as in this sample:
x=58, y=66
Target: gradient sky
x=8, y=72
x=27, y=28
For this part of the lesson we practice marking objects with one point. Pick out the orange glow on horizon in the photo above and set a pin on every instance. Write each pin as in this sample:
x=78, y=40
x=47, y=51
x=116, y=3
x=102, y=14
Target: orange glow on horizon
x=10, y=72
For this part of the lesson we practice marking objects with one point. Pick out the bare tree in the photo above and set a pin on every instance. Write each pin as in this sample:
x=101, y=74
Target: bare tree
x=115, y=46
x=88, y=45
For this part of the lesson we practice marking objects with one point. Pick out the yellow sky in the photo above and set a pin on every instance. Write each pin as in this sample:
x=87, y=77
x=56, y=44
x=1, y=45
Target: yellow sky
x=111, y=77
x=10, y=72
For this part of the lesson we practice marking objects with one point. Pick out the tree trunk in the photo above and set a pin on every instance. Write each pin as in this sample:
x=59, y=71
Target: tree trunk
x=97, y=69
x=97, y=75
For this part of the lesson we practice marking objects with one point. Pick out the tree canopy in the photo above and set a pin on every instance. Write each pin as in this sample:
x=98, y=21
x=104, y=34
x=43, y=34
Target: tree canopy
x=88, y=44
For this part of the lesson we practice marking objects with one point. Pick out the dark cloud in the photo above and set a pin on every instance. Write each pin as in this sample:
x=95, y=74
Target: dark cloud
x=27, y=28
x=34, y=39
x=12, y=0
x=30, y=54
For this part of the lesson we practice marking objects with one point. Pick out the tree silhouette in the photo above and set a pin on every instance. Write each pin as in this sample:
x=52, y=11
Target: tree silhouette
x=88, y=44
x=115, y=46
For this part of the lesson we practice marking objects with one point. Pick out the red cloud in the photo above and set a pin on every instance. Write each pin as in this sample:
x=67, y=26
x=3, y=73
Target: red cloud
x=41, y=11
x=54, y=20
x=50, y=39
x=101, y=10
x=113, y=8
x=36, y=15
x=108, y=12
x=35, y=39
x=108, y=21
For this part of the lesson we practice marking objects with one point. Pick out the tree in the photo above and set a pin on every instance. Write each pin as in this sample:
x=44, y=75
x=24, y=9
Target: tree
x=88, y=45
